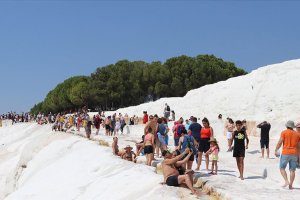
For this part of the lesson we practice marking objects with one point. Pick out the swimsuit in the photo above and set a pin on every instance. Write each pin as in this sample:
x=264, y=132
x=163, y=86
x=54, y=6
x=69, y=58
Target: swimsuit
x=172, y=181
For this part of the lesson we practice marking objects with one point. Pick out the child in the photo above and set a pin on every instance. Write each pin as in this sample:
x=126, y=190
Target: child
x=214, y=152
x=239, y=147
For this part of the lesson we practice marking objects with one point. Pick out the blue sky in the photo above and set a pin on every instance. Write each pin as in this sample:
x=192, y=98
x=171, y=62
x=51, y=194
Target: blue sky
x=42, y=43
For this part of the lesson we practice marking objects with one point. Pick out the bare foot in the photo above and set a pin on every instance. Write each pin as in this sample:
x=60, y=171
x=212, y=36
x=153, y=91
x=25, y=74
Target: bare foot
x=242, y=178
x=196, y=192
x=286, y=184
x=197, y=169
x=290, y=187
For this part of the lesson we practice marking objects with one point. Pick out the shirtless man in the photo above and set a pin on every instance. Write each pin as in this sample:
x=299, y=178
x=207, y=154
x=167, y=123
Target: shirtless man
x=171, y=174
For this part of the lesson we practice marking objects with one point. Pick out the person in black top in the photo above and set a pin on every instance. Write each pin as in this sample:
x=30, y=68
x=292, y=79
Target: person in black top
x=264, y=137
x=239, y=147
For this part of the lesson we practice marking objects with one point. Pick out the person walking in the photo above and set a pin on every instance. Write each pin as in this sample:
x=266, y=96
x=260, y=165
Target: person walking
x=264, y=137
x=290, y=140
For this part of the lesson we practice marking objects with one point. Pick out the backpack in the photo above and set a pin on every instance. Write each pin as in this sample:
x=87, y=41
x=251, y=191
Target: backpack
x=168, y=108
x=191, y=145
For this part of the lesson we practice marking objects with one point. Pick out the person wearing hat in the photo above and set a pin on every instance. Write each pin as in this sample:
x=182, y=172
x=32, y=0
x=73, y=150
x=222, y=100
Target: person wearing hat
x=128, y=154
x=214, y=152
x=290, y=140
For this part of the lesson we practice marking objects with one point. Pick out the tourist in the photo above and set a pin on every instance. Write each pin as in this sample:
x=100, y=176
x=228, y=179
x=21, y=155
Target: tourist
x=214, y=152
x=229, y=129
x=161, y=132
x=149, y=146
x=173, y=115
x=194, y=130
x=167, y=111
x=145, y=117
x=264, y=137
x=171, y=174
x=165, y=122
x=187, y=141
x=115, y=147
x=97, y=123
x=177, y=131
x=298, y=130
x=290, y=140
x=205, y=135
x=129, y=155
x=238, y=138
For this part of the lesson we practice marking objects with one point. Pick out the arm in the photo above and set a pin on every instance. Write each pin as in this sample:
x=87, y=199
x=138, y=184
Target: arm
x=212, y=132
x=280, y=142
x=146, y=128
x=180, y=143
x=231, y=140
x=177, y=158
x=185, y=160
x=247, y=141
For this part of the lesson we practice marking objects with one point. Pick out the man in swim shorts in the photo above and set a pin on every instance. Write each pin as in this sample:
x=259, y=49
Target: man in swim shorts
x=171, y=174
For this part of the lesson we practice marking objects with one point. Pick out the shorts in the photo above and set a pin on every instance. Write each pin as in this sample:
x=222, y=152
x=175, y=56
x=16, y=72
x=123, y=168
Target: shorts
x=148, y=149
x=229, y=135
x=285, y=159
x=204, y=145
x=176, y=141
x=214, y=157
x=107, y=127
x=192, y=157
x=172, y=181
x=238, y=153
x=264, y=143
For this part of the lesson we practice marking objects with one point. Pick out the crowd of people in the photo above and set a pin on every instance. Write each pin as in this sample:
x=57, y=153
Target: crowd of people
x=192, y=141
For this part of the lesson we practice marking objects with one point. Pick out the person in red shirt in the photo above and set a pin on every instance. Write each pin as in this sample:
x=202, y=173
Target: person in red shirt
x=290, y=140
x=145, y=119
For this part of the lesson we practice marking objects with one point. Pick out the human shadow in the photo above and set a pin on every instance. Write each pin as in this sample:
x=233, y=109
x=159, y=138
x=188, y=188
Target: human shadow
x=253, y=152
x=227, y=174
x=255, y=177
x=223, y=170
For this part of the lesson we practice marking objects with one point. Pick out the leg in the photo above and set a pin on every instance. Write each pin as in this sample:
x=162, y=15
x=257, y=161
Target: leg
x=199, y=160
x=151, y=158
x=242, y=167
x=238, y=165
x=186, y=179
x=207, y=161
x=262, y=152
x=268, y=153
x=284, y=175
x=216, y=166
x=212, y=166
x=292, y=178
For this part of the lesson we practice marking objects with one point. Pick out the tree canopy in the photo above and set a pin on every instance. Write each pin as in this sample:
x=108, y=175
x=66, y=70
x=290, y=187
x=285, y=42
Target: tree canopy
x=127, y=83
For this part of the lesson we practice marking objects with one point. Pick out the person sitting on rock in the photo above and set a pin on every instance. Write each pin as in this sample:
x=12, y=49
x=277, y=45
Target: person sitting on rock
x=171, y=174
x=129, y=155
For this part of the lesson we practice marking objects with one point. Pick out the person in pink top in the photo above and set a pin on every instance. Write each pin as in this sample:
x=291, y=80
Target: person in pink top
x=214, y=152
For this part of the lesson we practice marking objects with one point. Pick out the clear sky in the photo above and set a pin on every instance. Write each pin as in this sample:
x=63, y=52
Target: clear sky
x=42, y=43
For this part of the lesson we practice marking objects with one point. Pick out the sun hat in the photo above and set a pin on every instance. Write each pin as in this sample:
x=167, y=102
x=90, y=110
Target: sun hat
x=213, y=140
x=128, y=147
x=290, y=124
x=298, y=125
